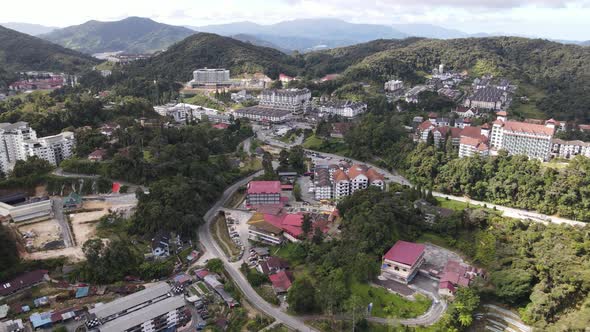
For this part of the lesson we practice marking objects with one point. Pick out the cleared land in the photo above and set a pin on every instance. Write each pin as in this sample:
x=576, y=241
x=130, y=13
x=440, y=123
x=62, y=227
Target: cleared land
x=45, y=232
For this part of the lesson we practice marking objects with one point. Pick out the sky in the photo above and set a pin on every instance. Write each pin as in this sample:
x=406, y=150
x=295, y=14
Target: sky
x=558, y=19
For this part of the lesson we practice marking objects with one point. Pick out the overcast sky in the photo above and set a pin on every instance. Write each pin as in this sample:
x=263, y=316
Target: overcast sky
x=562, y=19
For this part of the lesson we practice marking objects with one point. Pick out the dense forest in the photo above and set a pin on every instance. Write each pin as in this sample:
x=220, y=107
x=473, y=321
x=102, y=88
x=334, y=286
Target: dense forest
x=542, y=270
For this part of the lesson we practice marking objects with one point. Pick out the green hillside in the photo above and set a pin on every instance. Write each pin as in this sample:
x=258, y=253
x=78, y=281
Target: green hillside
x=213, y=51
x=131, y=35
x=19, y=52
x=560, y=72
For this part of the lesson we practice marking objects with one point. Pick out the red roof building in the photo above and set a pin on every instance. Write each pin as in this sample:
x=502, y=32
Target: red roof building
x=402, y=261
x=455, y=274
x=263, y=193
x=281, y=281
x=23, y=281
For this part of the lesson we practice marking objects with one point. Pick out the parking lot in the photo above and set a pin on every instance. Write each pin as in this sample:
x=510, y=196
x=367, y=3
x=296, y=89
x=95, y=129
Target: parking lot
x=237, y=226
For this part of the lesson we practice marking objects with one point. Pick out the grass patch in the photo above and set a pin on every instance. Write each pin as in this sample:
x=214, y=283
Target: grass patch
x=221, y=234
x=434, y=239
x=527, y=109
x=202, y=287
x=389, y=305
x=452, y=204
x=330, y=145
x=236, y=199
x=205, y=101
x=292, y=252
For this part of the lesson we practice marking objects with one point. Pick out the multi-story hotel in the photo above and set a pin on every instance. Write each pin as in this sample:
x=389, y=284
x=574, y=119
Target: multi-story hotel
x=210, y=77
x=532, y=140
x=569, y=149
x=294, y=100
x=54, y=148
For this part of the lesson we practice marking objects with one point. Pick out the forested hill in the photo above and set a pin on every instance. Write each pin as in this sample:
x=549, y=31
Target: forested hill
x=561, y=72
x=132, y=35
x=213, y=51
x=19, y=51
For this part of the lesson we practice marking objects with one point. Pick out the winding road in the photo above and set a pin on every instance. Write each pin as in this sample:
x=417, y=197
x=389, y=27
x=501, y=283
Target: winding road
x=207, y=240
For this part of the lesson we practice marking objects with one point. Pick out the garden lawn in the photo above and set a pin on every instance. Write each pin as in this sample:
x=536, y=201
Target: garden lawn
x=390, y=305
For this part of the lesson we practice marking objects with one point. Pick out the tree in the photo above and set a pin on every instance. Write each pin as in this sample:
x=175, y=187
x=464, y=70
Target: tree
x=306, y=225
x=297, y=192
x=318, y=235
x=297, y=159
x=215, y=265
x=284, y=159
x=269, y=172
x=333, y=290
x=430, y=139
x=9, y=257
x=32, y=167
x=301, y=296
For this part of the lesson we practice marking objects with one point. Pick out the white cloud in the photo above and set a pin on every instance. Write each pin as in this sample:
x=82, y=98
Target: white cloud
x=552, y=18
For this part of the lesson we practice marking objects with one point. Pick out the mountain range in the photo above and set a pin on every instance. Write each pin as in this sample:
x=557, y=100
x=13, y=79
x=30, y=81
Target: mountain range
x=130, y=35
x=314, y=34
x=21, y=52
x=28, y=28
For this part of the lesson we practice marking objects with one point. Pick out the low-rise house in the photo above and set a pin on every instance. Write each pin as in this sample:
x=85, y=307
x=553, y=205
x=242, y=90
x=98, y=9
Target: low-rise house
x=272, y=265
x=97, y=155
x=393, y=85
x=402, y=261
x=161, y=246
x=13, y=325
x=72, y=201
x=412, y=95
x=281, y=281
x=455, y=275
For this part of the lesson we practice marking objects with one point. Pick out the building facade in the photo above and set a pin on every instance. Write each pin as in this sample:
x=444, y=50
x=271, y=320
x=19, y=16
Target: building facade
x=532, y=140
x=18, y=141
x=263, y=193
x=210, y=76
x=402, y=261
x=343, y=108
x=296, y=101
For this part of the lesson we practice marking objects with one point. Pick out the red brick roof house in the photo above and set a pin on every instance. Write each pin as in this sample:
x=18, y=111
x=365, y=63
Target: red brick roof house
x=281, y=281
x=23, y=281
x=402, y=261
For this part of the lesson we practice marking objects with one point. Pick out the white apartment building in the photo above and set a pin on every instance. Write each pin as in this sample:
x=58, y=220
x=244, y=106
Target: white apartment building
x=532, y=140
x=343, y=108
x=323, y=184
x=394, y=85
x=182, y=112
x=294, y=100
x=569, y=149
x=263, y=114
x=13, y=135
x=18, y=141
x=54, y=148
x=357, y=177
x=210, y=76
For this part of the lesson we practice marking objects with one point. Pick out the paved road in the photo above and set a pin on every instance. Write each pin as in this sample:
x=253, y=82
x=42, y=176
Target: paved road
x=57, y=205
x=213, y=247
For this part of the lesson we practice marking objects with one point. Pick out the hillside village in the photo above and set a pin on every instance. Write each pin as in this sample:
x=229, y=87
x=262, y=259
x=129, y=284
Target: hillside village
x=267, y=194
